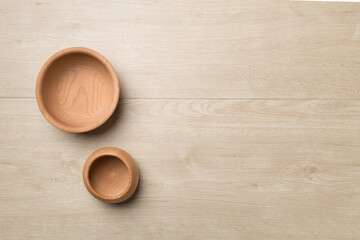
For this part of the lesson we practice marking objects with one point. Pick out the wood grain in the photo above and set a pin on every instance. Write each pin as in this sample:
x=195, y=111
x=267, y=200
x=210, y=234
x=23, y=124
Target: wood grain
x=77, y=90
x=242, y=116
x=192, y=49
x=111, y=175
x=215, y=169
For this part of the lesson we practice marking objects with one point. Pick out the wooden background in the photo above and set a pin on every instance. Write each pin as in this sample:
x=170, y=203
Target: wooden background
x=243, y=117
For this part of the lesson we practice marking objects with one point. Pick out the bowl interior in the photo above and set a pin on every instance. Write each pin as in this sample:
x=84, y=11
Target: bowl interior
x=77, y=90
x=109, y=176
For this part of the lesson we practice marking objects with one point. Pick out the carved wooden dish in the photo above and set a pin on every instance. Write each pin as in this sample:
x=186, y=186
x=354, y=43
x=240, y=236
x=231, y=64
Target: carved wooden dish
x=77, y=90
x=111, y=175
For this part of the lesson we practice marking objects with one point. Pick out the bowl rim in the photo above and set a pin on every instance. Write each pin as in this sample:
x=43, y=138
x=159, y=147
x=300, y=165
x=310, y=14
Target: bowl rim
x=122, y=156
x=40, y=80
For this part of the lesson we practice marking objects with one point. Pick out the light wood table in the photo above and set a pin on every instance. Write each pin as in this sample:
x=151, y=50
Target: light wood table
x=243, y=117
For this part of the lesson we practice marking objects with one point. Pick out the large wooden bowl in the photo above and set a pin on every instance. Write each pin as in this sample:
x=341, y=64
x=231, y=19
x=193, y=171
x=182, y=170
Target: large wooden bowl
x=77, y=90
x=110, y=175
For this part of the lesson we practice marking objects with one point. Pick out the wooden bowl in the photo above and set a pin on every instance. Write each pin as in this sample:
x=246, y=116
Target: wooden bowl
x=77, y=90
x=110, y=175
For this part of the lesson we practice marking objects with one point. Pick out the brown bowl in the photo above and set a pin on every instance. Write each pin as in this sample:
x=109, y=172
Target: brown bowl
x=77, y=90
x=110, y=175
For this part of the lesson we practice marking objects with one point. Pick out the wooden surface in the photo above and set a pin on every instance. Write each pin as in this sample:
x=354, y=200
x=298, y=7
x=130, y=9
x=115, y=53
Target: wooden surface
x=243, y=118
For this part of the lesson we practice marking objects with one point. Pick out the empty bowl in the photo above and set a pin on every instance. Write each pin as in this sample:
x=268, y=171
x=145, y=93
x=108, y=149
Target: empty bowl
x=110, y=175
x=77, y=90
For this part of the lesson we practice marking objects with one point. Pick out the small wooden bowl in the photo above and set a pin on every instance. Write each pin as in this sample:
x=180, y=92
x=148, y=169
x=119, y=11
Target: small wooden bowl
x=77, y=90
x=110, y=175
